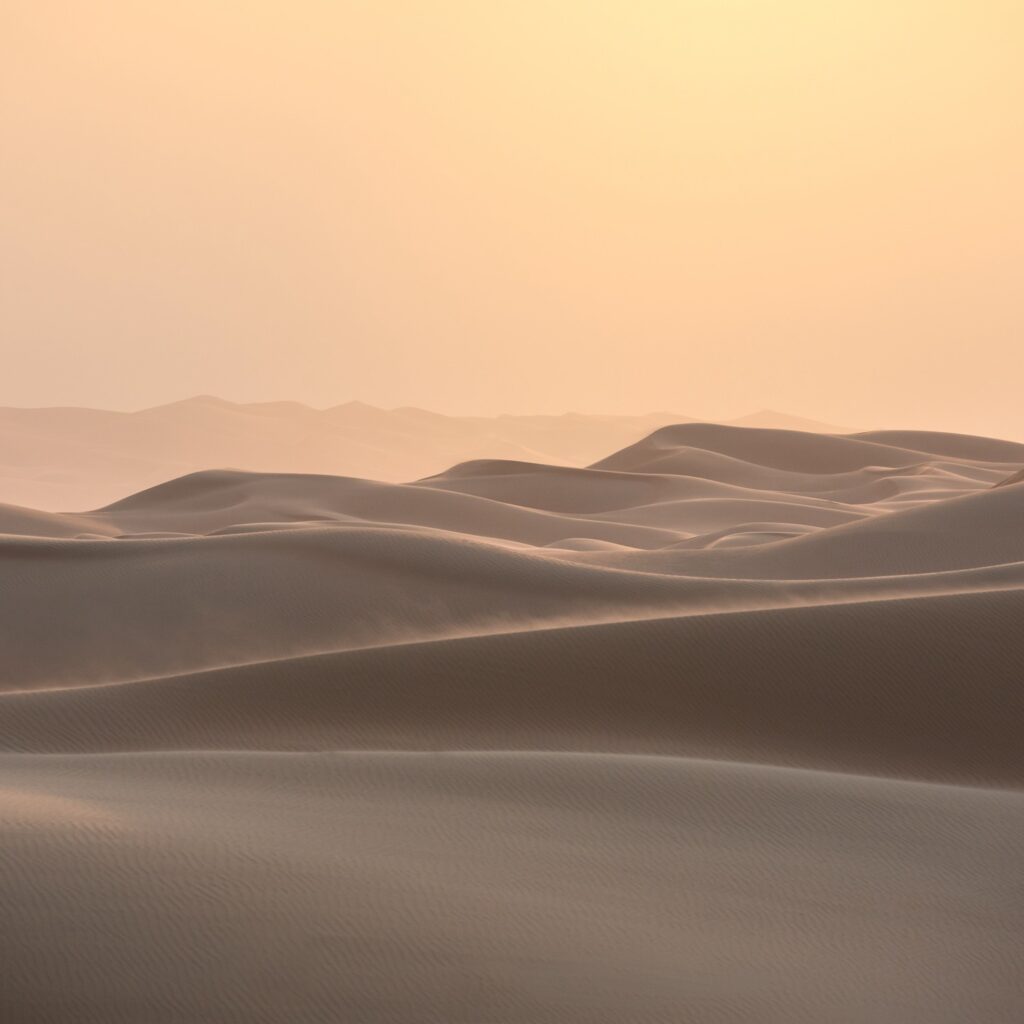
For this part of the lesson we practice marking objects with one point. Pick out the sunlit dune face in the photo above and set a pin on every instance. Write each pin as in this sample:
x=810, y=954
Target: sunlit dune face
x=705, y=205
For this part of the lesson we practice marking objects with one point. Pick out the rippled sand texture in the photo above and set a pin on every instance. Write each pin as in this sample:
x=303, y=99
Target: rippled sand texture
x=724, y=728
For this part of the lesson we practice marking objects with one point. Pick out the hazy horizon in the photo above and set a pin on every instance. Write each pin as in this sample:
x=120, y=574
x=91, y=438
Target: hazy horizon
x=705, y=207
x=799, y=419
x=129, y=407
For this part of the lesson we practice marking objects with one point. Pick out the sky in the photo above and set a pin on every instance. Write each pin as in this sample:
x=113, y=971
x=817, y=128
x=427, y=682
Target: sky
x=704, y=206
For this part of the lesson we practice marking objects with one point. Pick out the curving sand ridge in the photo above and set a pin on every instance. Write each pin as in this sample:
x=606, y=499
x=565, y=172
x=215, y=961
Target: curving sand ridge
x=724, y=728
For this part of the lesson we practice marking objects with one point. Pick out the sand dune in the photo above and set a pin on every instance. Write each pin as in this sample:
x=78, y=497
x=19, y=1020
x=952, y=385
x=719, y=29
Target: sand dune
x=503, y=887
x=70, y=458
x=964, y=446
x=724, y=727
x=1015, y=478
x=442, y=887
x=748, y=686
x=964, y=531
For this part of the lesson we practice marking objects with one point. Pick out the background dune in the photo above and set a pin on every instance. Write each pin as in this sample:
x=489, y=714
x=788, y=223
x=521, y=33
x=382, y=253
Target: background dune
x=723, y=726
x=73, y=458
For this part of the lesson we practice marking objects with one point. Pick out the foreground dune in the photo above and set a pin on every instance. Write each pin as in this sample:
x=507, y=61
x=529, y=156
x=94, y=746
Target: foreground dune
x=515, y=887
x=724, y=728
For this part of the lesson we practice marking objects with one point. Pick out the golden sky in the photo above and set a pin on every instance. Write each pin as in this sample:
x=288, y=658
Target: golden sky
x=708, y=206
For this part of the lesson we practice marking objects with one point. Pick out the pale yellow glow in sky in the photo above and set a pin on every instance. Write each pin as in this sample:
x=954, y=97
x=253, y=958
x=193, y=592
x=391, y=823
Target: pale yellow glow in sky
x=708, y=206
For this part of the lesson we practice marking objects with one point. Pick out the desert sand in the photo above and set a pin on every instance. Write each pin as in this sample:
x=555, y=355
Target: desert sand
x=723, y=728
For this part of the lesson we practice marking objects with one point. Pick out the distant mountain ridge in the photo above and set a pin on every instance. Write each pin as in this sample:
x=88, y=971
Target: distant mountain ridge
x=73, y=459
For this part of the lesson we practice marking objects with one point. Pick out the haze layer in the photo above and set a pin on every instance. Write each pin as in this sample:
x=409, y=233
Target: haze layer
x=694, y=205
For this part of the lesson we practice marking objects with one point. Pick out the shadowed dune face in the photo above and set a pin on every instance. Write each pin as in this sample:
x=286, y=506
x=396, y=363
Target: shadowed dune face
x=724, y=728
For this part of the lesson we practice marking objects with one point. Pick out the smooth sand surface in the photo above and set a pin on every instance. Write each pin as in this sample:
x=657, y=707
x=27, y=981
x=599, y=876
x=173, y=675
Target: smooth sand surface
x=724, y=728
